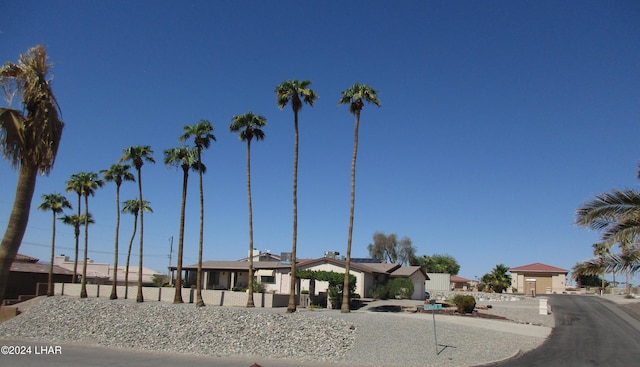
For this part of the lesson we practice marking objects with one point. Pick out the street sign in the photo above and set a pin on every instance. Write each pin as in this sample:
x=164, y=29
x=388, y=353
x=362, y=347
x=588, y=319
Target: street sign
x=436, y=306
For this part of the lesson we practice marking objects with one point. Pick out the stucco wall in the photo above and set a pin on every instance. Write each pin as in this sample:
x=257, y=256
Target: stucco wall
x=166, y=294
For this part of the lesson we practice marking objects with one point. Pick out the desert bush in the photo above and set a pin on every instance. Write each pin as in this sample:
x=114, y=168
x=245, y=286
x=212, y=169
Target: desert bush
x=465, y=304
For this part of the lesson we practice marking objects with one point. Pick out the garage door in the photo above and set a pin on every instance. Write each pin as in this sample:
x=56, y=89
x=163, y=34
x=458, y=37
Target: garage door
x=542, y=283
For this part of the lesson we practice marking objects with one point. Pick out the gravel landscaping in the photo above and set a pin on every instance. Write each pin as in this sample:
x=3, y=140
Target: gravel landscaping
x=362, y=338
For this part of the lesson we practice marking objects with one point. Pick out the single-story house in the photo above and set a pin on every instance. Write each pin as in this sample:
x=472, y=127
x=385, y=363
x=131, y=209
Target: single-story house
x=102, y=273
x=25, y=274
x=538, y=278
x=230, y=275
x=274, y=275
x=460, y=283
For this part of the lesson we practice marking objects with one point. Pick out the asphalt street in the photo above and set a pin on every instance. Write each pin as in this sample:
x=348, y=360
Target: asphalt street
x=589, y=331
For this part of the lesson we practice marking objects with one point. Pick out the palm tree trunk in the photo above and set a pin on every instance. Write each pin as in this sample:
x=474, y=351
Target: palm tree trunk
x=83, y=281
x=291, y=307
x=178, y=284
x=76, y=228
x=140, y=297
x=199, y=301
x=628, y=285
x=114, y=287
x=126, y=271
x=53, y=251
x=250, y=302
x=345, y=289
x=17, y=224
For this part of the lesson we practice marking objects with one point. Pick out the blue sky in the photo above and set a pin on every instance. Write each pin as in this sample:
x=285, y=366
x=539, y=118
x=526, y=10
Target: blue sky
x=498, y=119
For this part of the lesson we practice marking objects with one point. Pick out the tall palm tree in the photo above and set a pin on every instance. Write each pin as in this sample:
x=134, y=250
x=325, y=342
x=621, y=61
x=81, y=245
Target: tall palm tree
x=186, y=158
x=202, y=137
x=87, y=182
x=75, y=185
x=600, y=251
x=56, y=203
x=133, y=207
x=355, y=97
x=297, y=92
x=138, y=155
x=29, y=140
x=117, y=173
x=76, y=221
x=249, y=126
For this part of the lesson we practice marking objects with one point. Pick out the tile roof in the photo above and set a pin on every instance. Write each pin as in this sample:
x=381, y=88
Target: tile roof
x=25, y=259
x=407, y=271
x=457, y=279
x=538, y=268
x=235, y=265
x=29, y=267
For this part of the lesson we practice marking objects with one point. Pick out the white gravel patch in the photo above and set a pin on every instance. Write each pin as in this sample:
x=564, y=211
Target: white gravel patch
x=360, y=338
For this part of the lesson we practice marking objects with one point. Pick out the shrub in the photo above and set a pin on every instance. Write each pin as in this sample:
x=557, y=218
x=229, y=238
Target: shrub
x=465, y=304
x=400, y=288
x=258, y=287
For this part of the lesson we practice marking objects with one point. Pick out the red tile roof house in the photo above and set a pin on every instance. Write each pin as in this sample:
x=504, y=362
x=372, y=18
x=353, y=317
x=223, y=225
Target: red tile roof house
x=26, y=272
x=460, y=283
x=538, y=278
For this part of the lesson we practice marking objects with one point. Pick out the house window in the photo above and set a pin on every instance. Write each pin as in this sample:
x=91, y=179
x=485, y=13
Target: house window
x=268, y=279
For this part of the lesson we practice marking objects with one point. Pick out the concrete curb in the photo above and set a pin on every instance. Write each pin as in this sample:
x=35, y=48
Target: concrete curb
x=515, y=355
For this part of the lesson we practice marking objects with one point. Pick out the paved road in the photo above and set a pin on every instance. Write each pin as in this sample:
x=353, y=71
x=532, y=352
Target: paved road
x=77, y=355
x=589, y=331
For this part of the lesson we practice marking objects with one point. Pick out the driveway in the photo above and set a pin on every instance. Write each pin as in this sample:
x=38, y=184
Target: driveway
x=589, y=331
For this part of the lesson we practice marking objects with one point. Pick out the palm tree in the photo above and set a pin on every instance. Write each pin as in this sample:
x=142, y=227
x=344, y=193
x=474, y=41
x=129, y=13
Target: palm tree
x=29, y=141
x=498, y=279
x=296, y=92
x=249, y=127
x=74, y=185
x=137, y=155
x=117, y=173
x=600, y=251
x=186, y=158
x=86, y=183
x=355, y=97
x=76, y=221
x=133, y=207
x=56, y=203
x=202, y=137
x=616, y=214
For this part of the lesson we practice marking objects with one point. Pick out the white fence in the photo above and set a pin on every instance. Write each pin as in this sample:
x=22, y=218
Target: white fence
x=165, y=294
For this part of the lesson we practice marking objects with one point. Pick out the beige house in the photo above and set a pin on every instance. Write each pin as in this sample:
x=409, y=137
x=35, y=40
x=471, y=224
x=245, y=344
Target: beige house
x=102, y=273
x=538, y=278
x=275, y=276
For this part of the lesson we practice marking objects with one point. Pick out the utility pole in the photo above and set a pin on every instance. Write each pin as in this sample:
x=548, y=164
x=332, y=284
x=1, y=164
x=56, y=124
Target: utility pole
x=170, y=252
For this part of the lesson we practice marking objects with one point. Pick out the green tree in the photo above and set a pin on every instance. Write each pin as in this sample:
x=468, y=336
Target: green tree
x=138, y=155
x=584, y=274
x=295, y=92
x=355, y=97
x=441, y=264
x=186, y=158
x=497, y=280
x=133, y=207
x=56, y=203
x=117, y=173
x=249, y=126
x=391, y=249
x=86, y=183
x=76, y=221
x=202, y=137
x=28, y=141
